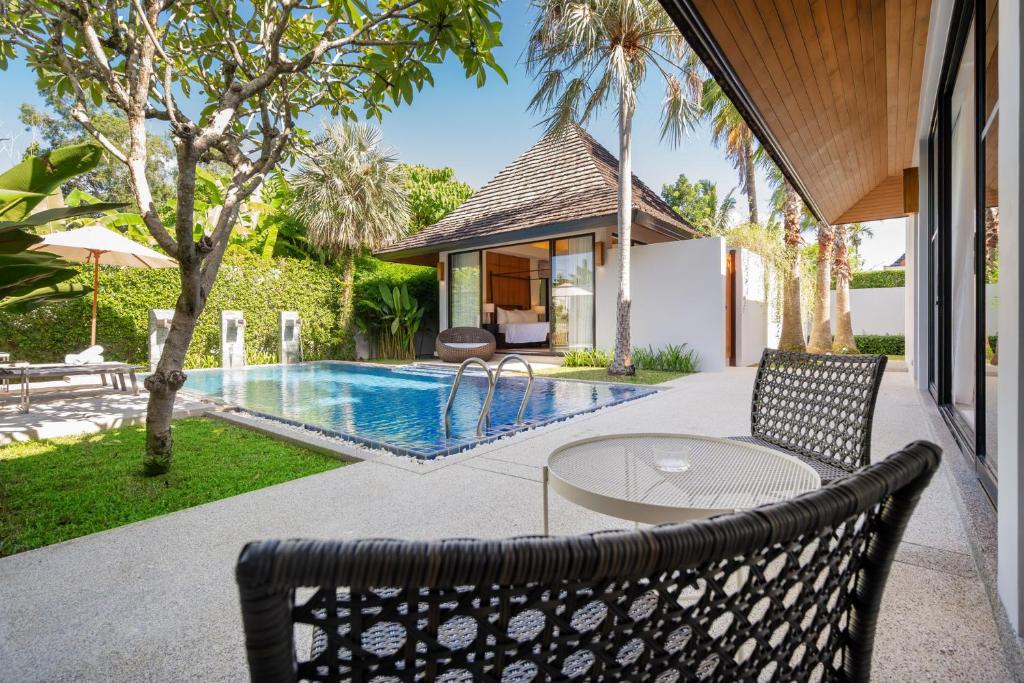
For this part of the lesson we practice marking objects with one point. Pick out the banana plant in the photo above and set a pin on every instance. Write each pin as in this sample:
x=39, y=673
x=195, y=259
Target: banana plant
x=29, y=279
x=400, y=316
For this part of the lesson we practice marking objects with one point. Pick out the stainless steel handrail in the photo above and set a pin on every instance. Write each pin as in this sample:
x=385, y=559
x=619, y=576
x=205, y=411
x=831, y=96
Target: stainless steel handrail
x=526, y=395
x=455, y=387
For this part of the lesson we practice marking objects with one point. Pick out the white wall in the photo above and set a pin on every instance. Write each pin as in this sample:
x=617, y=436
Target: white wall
x=754, y=312
x=678, y=296
x=875, y=311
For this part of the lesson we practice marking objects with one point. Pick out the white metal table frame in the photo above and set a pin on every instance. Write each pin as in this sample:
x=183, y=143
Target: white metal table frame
x=798, y=477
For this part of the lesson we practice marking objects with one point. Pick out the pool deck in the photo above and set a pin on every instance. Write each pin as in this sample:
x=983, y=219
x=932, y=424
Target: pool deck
x=156, y=600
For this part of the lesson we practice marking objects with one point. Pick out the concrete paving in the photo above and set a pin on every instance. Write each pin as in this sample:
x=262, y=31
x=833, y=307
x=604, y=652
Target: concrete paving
x=76, y=407
x=156, y=600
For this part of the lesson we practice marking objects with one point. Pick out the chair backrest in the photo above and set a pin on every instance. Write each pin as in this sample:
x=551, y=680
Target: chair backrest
x=820, y=406
x=465, y=334
x=791, y=589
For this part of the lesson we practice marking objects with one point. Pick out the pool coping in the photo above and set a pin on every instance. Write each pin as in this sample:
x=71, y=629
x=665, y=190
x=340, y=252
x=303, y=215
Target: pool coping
x=326, y=436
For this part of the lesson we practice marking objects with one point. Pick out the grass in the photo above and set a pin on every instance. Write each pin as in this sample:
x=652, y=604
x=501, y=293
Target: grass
x=601, y=375
x=58, y=489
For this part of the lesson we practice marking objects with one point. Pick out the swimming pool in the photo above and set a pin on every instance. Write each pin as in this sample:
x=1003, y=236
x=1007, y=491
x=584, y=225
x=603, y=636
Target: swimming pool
x=400, y=408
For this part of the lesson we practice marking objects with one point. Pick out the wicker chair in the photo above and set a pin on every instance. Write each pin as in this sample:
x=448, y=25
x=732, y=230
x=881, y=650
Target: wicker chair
x=456, y=344
x=789, y=591
x=817, y=407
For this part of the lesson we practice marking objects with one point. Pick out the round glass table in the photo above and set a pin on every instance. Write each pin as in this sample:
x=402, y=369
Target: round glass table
x=659, y=478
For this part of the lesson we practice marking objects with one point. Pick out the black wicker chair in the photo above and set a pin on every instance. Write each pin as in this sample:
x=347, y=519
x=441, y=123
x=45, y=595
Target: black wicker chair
x=788, y=591
x=817, y=407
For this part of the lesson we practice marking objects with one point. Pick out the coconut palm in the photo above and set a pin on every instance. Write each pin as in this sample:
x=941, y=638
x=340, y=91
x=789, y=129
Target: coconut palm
x=821, y=318
x=856, y=233
x=350, y=193
x=787, y=204
x=587, y=54
x=729, y=130
x=844, y=341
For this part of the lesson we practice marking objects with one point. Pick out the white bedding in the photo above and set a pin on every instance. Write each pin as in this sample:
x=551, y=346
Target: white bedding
x=524, y=333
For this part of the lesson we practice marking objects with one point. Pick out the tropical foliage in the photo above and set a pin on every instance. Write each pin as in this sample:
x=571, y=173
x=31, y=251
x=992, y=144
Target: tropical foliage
x=730, y=132
x=229, y=81
x=433, y=194
x=699, y=205
x=29, y=279
x=588, y=54
x=396, y=321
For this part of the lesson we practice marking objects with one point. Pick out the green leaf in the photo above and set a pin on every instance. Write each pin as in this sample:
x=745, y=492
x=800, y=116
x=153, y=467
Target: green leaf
x=59, y=214
x=41, y=175
x=15, y=241
x=44, y=295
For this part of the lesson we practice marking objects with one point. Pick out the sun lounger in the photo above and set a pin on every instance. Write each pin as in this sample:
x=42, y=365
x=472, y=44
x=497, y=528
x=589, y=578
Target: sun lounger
x=25, y=373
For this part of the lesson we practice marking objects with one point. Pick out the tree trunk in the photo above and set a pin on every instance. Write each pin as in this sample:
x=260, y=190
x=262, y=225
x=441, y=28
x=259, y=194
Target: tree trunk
x=622, y=362
x=750, y=178
x=346, y=265
x=163, y=384
x=821, y=321
x=844, y=341
x=792, y=334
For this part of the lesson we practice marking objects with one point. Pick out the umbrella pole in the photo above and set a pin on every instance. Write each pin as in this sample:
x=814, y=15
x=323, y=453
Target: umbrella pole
x=95, y=292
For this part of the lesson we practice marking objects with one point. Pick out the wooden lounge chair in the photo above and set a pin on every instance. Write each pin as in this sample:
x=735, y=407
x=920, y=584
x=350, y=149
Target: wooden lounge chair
x=788, y=591
x=456, y=344
x=816, y=407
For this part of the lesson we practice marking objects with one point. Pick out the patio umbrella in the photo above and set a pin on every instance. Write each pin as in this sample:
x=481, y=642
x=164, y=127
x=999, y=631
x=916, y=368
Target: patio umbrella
x=100, y=246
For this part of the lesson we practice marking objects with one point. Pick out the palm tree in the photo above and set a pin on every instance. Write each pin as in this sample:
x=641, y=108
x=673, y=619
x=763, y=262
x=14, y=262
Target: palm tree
x=728, y=129
x=857, y=232
x=844, y=341
x=821, y=320
x=786, y=202
x=589, y=53
x=350, y=193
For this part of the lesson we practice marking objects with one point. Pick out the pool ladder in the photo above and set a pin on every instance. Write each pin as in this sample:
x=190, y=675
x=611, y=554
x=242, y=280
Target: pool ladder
x=492, y=383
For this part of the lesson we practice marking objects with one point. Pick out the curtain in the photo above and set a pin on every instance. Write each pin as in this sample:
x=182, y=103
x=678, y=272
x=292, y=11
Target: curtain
x=464, y=299
x=572, y=293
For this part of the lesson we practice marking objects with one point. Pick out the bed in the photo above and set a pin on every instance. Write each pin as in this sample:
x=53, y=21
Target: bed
x=521, y=327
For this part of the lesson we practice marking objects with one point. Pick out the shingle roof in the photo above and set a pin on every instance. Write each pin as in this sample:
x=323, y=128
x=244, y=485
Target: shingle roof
x=565, y=177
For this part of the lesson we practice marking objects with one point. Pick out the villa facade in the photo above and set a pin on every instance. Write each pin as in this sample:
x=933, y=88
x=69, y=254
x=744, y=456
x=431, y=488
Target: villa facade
x=532, y=257
x=904, y=108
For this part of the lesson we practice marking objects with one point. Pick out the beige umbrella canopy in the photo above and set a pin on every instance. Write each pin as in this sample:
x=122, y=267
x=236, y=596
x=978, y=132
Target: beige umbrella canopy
x=102, y=247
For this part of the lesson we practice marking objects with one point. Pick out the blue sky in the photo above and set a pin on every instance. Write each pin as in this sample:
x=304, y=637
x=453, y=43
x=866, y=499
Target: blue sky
x=479, y=131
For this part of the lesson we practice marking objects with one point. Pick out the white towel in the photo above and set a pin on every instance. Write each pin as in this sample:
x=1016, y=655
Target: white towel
x=92, y=355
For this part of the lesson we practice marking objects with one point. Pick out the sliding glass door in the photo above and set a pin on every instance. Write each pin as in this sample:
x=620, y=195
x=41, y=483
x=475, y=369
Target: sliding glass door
x=964, y=254
x=464, y=290
x=572, y=293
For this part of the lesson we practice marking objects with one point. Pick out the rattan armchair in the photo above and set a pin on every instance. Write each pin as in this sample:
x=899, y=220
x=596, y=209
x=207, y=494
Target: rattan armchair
x=789, y=591
x=456, y=344
x=819, y=408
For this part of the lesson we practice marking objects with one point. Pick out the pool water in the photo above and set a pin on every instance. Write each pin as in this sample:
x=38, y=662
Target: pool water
x=400, y=408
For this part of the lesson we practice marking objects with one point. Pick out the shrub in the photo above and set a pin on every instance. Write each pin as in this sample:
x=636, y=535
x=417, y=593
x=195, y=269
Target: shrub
x=258, y=288
x=586, y=358
x=872, y=279
x=672, y=358
x=887, y=344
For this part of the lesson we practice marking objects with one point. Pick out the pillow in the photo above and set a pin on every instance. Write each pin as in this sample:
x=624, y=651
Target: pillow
x=522, y=317
x=502, y=315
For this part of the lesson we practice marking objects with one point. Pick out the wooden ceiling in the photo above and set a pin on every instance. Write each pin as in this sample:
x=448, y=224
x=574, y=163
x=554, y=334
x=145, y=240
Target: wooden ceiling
x=833, y=84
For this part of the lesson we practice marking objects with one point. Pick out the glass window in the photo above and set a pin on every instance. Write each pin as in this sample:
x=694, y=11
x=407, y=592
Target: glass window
x=572, y=293
x=464, y=301
x=963, y=183
x=990, y=228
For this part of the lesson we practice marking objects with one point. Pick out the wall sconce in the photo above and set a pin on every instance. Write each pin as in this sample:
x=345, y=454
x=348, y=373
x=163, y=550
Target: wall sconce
x=599, y=253
x=440, y=271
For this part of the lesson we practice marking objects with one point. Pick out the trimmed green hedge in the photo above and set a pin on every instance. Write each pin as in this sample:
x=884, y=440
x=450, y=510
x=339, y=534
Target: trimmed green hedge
x=261, y=289
x=887, y=344
x=872, y=279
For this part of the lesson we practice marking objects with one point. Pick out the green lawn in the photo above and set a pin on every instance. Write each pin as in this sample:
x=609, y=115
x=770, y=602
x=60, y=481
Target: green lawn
x=601, y=375
x=54, y=490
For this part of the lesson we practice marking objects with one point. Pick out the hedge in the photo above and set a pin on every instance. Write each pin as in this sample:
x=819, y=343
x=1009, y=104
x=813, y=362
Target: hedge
x=887, y=344
x=261, y=289
x=872, y=279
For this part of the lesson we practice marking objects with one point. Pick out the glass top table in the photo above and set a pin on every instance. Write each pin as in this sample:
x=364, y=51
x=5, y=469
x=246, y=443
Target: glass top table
x=659, y=478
